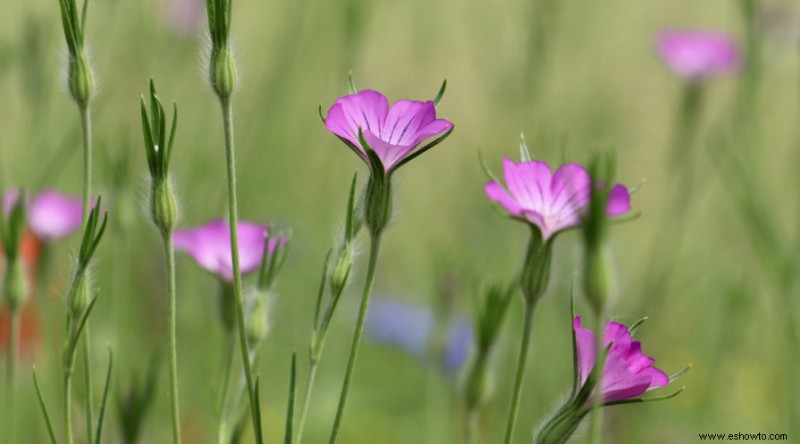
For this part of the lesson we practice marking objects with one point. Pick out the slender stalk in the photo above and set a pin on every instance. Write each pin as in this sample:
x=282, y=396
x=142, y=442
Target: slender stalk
x=173, y=341
x=596, y=427
x=312, y=374
x=227, y=117
x=374, y=248
x=13, y=340
x=221, y=412
x=69, y=364
x=527, y=329
x=86, y=129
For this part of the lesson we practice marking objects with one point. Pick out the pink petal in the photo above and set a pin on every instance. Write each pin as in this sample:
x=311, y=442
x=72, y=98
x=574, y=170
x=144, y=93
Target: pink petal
x=404, y=120
x=389, y=154
x=365, y=110
x=619, y=201
x=498, y=194
x=584, y=338
x=619, y=382
x=529, y=183
x=53, y=215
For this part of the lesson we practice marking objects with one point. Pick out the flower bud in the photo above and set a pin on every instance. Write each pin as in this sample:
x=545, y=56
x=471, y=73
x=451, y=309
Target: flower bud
x=162, y=206
x=378, y=203
x=342, y=265
x=81, y=81
x=15, y=287
x=222, y=72
x=258, y=319
x=479, y=384
x=536, y=270
x=79, y=297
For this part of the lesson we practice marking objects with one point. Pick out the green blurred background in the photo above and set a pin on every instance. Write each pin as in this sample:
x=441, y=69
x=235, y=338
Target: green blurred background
x=573, y=75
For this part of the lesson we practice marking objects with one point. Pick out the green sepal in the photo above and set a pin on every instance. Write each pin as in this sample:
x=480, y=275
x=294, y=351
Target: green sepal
x=632, y=329
x=351, y=87
x=486, y=170
x=648, y=399
x=103, y=403
x=43, y=406
x=440, y=94
x=524, y=153
x=419, y=151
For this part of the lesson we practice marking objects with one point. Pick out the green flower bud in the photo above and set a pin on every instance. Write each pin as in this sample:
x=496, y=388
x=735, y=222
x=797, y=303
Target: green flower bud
x=258, y=320
x=79, y=297
x=163, y=208
x=81, y=80
x=378, y=203
x=15, y=286
x=342, y=265
x=478, y=387
x=222, y=72
x=536, y=271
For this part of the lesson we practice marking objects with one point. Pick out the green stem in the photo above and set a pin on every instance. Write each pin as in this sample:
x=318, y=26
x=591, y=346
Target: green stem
x=221, y=412
x=301, y=422
x=375, y=241
x=227, y=117
x=473, y=430
x=13, y=339
x=173, y=341
x=69, y=364
x=86, y=129
x=596, y=428
x=521, y=363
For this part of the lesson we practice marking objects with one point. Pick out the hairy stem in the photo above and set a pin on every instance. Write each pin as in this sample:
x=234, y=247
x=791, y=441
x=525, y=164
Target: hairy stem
x=13, y=340
x=522, y=361
x=227, y=117
x=375, y=241
x=312, y=374
x=86, y=130
x=173, y=341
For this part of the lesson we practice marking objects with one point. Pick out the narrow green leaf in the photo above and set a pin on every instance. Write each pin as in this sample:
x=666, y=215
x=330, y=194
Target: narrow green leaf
x=321, y=290
x=43, y=406
x=81, y=325
x=101, y=416
x=649, y=399
x=351, y=87
x=168, y=153
x=148, y=140
x=524, y=153
x=440, y=94
x=290, y=407
x=83, y=19
x=634, y=189
x=425, y=148
x=632, y=329
x=349, y=222
x=321, y=116
x=99, y=236
x=679, y=374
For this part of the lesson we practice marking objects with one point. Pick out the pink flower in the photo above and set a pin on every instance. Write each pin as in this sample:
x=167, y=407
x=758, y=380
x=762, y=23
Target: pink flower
x=627, y=373
x=551, y=202
x=696, y=55
x=210, y=246
x=394, y=133
x=51, y=215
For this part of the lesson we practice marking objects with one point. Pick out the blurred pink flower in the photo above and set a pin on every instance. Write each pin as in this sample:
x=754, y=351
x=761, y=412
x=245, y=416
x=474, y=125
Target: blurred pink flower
x=210, y=246
x=394, y=133
x=696, y=55
x=551, y=202
x=627, y=372
x=50, y=215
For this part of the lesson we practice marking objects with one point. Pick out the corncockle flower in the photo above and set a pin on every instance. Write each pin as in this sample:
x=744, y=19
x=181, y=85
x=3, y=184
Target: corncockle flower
x=698, y=54
x=412, y=329
x=51, y=215
x=550, y=202
x=210, y=246
x=386, y=138
x=627, y=373
x=394, y=133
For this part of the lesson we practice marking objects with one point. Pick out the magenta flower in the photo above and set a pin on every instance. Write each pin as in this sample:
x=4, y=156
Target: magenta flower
x=210, y=246
x=697, y=55
x=627, y=373
x=51, y=215
x=394, y=133
x=551, y=202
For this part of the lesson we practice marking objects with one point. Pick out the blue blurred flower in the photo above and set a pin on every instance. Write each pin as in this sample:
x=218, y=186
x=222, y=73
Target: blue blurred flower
x=413, y=329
